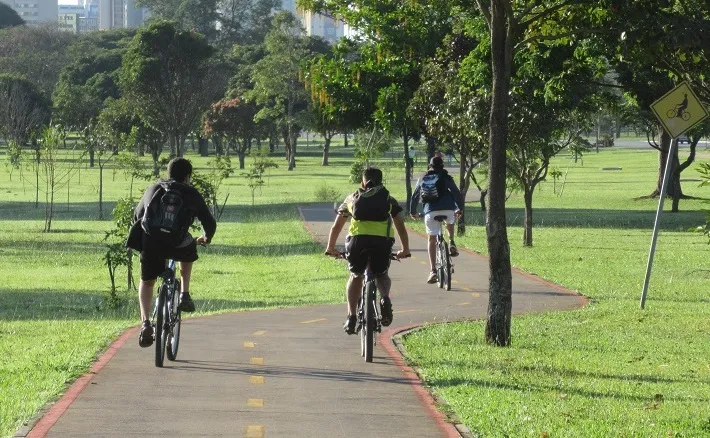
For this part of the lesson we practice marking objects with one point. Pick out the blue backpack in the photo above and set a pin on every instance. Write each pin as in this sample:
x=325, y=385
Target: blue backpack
x=432, y=187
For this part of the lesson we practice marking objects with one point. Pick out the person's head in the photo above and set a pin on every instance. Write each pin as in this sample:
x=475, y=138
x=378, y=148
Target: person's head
x=436, y=163
x=180, y=170
x=371, y=177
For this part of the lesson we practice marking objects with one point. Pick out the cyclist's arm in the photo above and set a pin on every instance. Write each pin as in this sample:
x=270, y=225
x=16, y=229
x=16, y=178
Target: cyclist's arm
x=335, y=230
x=414, y=203
x=208, y=222
x=401, y=232
x=455, y=192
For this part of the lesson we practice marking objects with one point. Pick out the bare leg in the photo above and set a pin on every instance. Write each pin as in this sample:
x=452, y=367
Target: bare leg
x=432, y=252
x=145, y=296
x=185, y=274
x=354, y=290
x=384, y=283
x=450, y=229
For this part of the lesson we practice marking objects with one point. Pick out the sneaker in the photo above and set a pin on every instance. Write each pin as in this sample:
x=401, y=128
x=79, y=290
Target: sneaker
x=432, y=278
x=350, y=323
x=145, y=339
x=452, y=250
x=386, y=311
x=186, y=303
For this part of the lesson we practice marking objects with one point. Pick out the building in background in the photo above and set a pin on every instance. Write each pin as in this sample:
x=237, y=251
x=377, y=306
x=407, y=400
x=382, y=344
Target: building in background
x=120, y=13
x=35, y=11
x=316, y=24
x=69, y=22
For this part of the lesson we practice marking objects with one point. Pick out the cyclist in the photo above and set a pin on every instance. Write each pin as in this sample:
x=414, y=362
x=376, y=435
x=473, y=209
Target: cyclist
x=372, y=211
x=155, y=251
x=440, y=196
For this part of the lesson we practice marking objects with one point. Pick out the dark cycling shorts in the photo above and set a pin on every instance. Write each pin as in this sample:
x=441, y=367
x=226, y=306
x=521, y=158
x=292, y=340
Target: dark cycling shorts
x=373, y=249
x=154, y=260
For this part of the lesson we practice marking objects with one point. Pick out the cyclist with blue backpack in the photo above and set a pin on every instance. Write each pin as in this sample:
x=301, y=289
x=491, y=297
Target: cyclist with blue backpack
x=439, y=195
x=160, y=231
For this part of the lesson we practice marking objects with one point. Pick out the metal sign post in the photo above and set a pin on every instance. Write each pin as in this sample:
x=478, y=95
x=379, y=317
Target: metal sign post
x=654, y=238
x=678, y=111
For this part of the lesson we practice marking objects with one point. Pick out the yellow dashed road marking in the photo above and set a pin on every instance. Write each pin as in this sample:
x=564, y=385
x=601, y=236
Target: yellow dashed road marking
x=314, y=320
x=257, y=361
x=405, y=311
x=259, y=333
x=248, y=344
x=463, y=304
x=455, y=281
x=256, y=380
x=254, y=431
x=476, y=295
x=423, y=263
x=255, y=402
x=467, y=289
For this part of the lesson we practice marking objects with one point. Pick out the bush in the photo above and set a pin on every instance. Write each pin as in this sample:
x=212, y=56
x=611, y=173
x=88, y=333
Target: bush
x=324, y=193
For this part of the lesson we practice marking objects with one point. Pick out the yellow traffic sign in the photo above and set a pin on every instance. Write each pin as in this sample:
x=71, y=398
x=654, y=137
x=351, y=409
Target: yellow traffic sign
x=679, y=110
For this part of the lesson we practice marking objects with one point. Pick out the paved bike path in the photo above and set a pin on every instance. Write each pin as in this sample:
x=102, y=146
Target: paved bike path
x=287, y=372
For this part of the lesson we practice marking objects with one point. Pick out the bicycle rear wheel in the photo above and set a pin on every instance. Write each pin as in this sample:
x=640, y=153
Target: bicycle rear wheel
x=446, y=266
x=361, y=324
x=160, y=320
x=370, y=293
x=175, y=321
x=440, y=263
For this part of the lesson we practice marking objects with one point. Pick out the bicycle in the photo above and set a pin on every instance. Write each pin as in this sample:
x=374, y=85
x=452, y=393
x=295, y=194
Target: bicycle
x=444, y=268
x=673, y=113
x=167, y=316
x=369, y=318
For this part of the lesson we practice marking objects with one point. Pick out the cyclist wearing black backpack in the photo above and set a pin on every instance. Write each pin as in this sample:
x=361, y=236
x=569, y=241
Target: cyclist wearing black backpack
x=438, y=193
x=160, y=231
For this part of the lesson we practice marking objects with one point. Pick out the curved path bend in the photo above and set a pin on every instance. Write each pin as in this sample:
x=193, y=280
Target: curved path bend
x=287, y=372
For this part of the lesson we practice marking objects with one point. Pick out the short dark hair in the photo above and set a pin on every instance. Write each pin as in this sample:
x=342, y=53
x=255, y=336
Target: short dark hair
x=372, y=177
x=179, y=169
x=436, y=163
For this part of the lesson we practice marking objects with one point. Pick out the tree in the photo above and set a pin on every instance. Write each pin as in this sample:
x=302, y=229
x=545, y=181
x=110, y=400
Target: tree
x=195, y=15
x=37, y=53
x=244, y=22
x=276, y=80
x=8, y=17
x=233, y=119
x=163, y=73
x=23, y=109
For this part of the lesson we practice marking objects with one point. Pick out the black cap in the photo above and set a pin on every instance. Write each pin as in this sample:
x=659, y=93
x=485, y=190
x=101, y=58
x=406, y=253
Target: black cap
x=436, y=162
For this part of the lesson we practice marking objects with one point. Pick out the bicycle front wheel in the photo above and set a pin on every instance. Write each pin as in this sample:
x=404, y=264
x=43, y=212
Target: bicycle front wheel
x=160, y=322
x=175, y=321
x=440, y=261
x=446, y=266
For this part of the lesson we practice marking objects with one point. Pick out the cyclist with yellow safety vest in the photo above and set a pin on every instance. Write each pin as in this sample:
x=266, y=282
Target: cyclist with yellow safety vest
x=372, y=213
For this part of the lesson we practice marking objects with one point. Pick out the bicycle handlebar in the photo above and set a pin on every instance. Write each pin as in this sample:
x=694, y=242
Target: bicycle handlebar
x=343, y=255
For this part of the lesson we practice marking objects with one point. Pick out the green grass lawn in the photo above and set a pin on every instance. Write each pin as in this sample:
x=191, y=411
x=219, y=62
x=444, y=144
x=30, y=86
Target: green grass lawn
x=593, y=372
x=610, y=369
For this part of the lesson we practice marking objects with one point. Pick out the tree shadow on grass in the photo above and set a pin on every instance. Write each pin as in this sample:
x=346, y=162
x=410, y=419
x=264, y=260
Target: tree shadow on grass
x=57, y=304
x=597, y=218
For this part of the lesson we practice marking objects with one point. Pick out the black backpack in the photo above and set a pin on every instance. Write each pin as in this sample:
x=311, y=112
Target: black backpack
x=165, y=219
x=432, y=187
x=371, y=205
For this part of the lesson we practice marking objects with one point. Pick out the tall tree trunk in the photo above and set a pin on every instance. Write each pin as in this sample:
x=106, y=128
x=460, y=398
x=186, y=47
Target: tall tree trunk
x=430, y=147
x=345, y=139
x=204, y=146
x=464, y=184
x=219, y=149
x=679, y=168
x=326, y=148
x=500, y=284
x=241, y=155
x=101, y=191
x=37, y=162
x=173, y=145
x=528, y=223
x=407, y=167
x=155, y=153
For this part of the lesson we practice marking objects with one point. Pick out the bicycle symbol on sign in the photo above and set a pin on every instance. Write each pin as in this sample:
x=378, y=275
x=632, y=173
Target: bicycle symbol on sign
x=679, y=110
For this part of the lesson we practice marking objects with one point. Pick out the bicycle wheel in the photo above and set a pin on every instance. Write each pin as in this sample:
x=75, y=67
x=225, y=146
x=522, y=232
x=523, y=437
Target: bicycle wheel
x=361, y=324
x=160, y=320
x=175, y=321
x=685, y=116
x=446, y=266
x=370, y=293
x=440, y=263
x=671, y=113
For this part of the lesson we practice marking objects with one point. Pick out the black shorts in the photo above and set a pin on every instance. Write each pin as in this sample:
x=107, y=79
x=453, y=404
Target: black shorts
x=154, y=260
x=374, y=250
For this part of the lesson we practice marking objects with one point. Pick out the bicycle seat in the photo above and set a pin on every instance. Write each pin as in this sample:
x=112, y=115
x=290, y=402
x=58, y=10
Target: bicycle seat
x=440, y=218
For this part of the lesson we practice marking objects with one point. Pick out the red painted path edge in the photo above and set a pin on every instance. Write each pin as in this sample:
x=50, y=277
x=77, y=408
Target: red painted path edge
x=386, y=340
x=40, y=429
